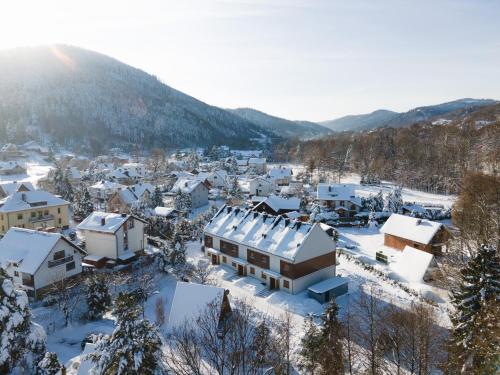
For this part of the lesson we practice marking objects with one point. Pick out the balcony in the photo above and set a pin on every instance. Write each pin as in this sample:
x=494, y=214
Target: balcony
x=38, y=219
x=58, y=262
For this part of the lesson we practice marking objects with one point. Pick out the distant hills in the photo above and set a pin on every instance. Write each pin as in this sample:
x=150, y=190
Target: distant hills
x=84, y=99
x=280, y=126
x=385, y=118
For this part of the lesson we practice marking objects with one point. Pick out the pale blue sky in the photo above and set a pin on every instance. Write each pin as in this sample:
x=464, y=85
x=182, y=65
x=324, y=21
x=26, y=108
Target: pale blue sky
x=300, y=59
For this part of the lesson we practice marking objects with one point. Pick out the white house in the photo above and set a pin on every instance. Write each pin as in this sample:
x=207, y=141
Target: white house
x=135, y=169
x=283, y=253
x=259, y=165
x=37, y=259
x=216, y=179
x=197, y=190
x=113, y=236
x=12, y=167
x=261, y=186
x=280, y=175
x=341, y=198
x=102, y=190
x=275, y=205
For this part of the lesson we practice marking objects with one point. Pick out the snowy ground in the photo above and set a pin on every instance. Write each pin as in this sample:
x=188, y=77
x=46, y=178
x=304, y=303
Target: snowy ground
x=37, y=168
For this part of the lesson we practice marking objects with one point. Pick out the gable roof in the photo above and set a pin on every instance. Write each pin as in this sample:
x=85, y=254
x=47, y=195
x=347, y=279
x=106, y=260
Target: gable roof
x=270, y=234
x=280, y=203
x=29, y=199
x=105, y=185
x=186, y=185
x=29, y=248
x=338, y=192
x=411, y=228
x=140, y=188
x=11, y=187
x=112, y=222
x=412, y=264
x=190, y=300
x=280, y=172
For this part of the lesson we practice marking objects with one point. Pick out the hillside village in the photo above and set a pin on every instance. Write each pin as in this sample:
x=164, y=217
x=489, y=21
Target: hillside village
x=202, y=236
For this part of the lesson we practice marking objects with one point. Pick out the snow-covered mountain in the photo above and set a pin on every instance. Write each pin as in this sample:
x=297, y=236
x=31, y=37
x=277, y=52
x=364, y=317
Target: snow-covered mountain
x=80, y=98
x=281, y=126
x=383, y=118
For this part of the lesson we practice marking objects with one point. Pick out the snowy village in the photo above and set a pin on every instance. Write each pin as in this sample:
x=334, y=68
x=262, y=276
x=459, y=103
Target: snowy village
x=145, y=231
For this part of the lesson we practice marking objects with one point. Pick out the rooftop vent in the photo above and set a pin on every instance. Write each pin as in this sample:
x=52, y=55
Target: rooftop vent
x=264, y=235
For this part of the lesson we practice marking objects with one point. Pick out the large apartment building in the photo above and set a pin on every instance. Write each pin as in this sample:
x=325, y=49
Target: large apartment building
x=282, y=253
x=33, y=210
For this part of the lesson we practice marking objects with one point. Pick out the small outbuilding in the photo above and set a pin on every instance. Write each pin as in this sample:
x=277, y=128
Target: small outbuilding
x=328, y=289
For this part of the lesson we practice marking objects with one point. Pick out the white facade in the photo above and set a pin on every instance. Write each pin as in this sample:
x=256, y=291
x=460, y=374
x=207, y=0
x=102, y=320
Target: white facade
x=261, y=186
x=36, y=259
x=122, y=236
x=280, y=240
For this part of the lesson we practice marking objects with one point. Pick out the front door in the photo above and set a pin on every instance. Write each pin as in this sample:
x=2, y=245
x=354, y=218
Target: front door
x=240, y=270
x=272, y=283
x=214, y=259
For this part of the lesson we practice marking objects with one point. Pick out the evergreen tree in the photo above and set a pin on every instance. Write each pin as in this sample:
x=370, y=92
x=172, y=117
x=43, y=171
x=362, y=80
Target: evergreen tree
x=235, y=190
x=164, y=258
x=134, y=347
x=49, y=365
x=98, y=297
x=378, y=202
x=82, y=206
x=332, y=360
x=394, y=200
x=372, y=223
x=310, y=360
x=157, y=198
x=22, y=342
x=177, y=250
x=476, y=300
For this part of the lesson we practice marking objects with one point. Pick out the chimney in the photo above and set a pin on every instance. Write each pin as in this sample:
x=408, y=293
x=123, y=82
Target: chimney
x=103, y=221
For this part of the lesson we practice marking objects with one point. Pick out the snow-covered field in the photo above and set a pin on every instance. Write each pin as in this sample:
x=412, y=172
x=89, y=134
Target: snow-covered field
x=36, y=168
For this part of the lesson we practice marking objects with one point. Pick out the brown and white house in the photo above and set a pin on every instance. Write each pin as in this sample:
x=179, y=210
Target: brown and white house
x=400, y=231
x=282, y=253
x=341, y=198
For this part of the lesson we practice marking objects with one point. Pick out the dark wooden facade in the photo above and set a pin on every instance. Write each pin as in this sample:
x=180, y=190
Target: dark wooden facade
x=258, y=259
x=229, y=248
x=298, y=270
x=434, y=246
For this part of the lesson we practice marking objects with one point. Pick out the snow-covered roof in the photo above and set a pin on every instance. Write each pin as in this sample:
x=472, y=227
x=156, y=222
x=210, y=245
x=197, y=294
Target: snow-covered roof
x=269, y=234
x=186, y=185
x=127, y=196
x=140, y=188
x=260, y=161
x=28, y=248
x=164, y=211
x=242, y=162
x=107, y=185
x=190, y=300
x=328, y=284
x=281, y=203
x=103, y=222
x=338, y=192
x=11, y=187
x=8, y=165
x=412, y=264
x=418, y=230
x=280, y=172
x=28, y=199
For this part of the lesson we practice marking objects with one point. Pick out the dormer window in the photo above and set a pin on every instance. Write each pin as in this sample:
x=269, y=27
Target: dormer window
x=59, y=255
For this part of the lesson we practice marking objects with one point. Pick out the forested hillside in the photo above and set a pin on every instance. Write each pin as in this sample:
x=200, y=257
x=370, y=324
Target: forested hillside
x=88, y=101
x=426, y=157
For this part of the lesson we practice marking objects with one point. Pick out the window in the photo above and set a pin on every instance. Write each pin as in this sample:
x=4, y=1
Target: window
x=286, y=284
x=16, y=274
x=59, y=255
x=234, y=265
x=60, y=221
x=252, y=270
x=209, y=241
x=224, y=259
x=263, y=275
x=19, y=216
x=131, y=224
x=58, y=210
x=70, y=266
x=46, y=212
x=33, y=214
